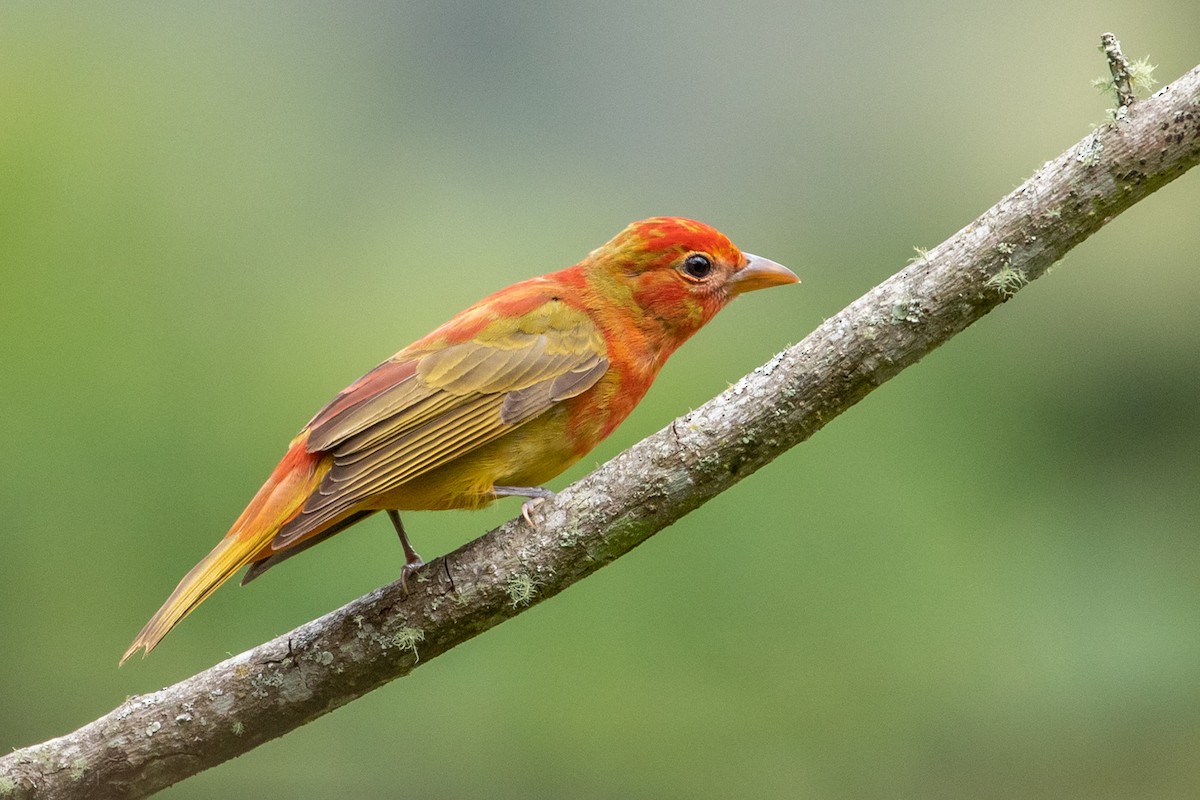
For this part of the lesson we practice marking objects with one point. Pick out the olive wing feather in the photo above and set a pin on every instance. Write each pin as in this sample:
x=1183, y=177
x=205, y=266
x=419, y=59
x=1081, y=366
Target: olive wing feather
x=430, y=407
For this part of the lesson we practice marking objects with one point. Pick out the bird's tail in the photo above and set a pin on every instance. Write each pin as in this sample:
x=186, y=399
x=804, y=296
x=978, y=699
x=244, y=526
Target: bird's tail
x=280, y=499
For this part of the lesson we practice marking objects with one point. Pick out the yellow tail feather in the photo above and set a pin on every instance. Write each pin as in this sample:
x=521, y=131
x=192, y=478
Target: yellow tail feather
x=280, y=498
x=203, y=579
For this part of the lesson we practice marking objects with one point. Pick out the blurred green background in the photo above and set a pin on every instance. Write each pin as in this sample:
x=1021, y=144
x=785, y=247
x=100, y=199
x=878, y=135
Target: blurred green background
x=982, y=582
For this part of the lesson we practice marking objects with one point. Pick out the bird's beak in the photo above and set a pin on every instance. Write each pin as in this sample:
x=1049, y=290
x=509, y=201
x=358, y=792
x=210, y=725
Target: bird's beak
x=760, y=273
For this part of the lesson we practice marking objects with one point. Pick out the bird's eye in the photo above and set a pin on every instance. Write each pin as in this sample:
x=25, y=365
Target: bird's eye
x=697, y=266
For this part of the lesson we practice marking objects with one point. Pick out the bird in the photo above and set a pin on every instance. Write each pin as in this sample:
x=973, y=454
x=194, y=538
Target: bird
x=494, y=403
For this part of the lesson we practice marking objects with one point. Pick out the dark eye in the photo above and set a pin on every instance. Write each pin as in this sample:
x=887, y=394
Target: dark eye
x=698, y=266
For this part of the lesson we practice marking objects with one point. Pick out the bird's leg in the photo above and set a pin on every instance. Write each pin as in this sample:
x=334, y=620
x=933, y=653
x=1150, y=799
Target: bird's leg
x=536, y=494
x=412, y=561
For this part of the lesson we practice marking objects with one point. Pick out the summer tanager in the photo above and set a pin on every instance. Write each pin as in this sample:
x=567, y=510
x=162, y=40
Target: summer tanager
x=494, y=403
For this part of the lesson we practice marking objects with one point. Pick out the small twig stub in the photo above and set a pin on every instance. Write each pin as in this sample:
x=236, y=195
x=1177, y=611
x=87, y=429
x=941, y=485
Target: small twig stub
x=1118, y=65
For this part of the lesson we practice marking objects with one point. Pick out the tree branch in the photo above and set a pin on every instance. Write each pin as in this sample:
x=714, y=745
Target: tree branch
x=154, y=740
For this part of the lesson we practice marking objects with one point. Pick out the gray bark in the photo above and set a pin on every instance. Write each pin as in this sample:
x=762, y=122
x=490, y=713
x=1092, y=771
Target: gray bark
x=154, y=740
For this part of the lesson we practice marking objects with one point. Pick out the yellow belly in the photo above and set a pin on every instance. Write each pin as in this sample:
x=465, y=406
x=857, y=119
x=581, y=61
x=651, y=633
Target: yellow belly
x=530, y=455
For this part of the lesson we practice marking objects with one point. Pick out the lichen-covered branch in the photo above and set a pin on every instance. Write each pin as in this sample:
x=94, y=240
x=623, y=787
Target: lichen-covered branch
x=154, y=740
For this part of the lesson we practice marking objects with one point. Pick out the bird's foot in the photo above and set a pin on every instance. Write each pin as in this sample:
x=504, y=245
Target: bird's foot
x=411, y=567
x=530, y=505
x=536, y=494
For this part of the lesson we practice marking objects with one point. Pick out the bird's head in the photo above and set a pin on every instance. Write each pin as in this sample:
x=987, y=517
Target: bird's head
x=678, y=272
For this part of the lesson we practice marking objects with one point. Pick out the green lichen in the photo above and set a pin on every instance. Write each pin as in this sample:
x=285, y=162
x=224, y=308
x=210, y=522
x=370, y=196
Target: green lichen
x=78, y=768
x=7, y=785
x=1141, y=81
x=1141, y=78
x=1089, y=154
x=44, y=761
x=406, y=637
x=238, y=727
x=275, y=679
x=521, y=589
x=1008, y=280
x=1141, y=75
x=905, y=310
x=921, y=254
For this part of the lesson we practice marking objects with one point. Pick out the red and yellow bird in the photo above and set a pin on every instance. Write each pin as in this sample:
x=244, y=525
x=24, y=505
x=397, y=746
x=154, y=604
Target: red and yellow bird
x=494, y=403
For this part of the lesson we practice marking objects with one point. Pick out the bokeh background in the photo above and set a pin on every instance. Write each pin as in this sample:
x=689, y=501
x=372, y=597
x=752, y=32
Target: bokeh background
x=983, y=581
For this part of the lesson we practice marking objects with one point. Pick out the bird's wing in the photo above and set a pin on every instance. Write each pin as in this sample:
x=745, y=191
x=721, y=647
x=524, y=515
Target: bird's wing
x=420, y=411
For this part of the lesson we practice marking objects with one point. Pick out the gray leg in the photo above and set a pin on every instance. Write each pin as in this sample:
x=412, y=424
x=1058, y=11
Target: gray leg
x=412, y=561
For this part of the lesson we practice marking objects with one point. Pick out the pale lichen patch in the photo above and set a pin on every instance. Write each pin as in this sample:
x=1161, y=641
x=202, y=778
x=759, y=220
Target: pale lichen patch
x=521, y=589
x=1008, y=280
x=406, y=637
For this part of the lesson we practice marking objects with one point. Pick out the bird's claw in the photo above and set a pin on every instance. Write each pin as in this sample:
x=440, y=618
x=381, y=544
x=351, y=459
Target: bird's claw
x=411, y=567
x=536, y=496
x=528, y=506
